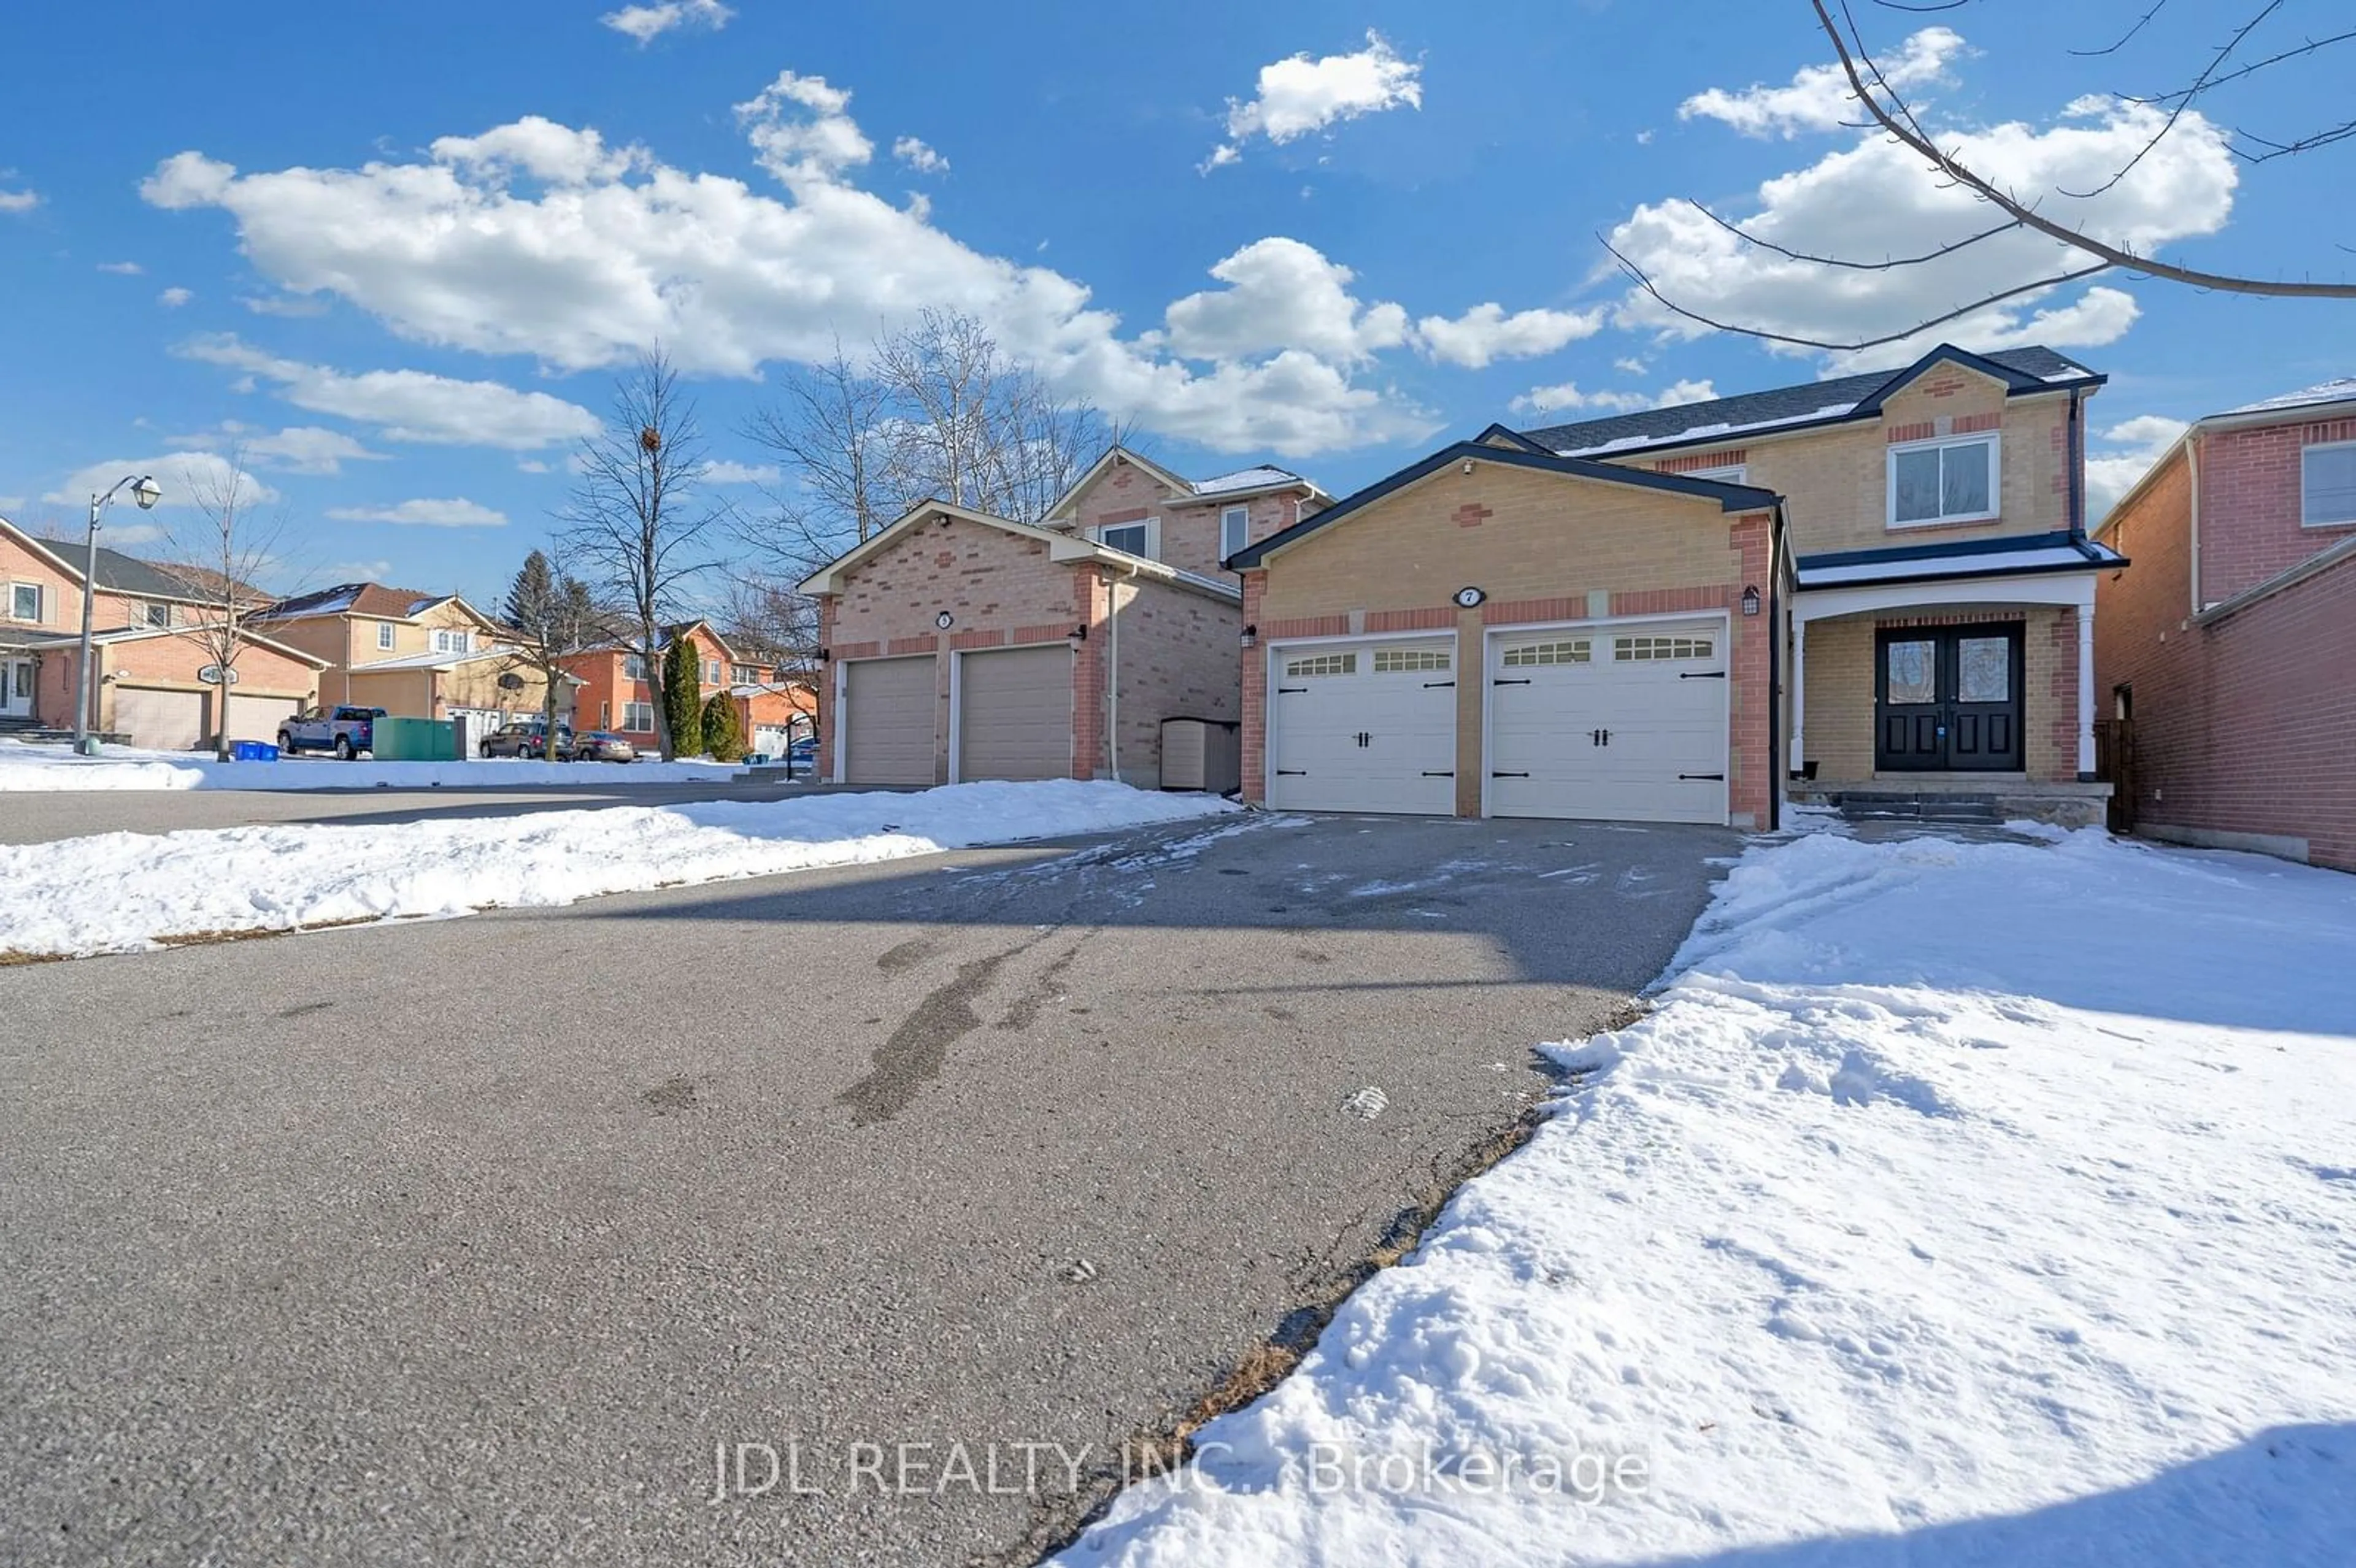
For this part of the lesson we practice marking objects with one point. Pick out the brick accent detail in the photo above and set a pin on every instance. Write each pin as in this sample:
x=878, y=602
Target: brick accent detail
x=1965, y=424
x=858, y=651
x=1516, y=612
x=1049, y=633
x=1127, y=515
x=1921, y=432
x=930, y=643
x=1305, y=627
x=1673, y=601
x=1730, y=457
x=1471, y=514
x=1438, y=618
x=962, y=641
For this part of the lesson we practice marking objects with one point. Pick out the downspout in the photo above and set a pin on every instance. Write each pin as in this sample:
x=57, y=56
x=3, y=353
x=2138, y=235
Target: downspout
x=2192, y=476
x=2077, y=444
x=1776, y=712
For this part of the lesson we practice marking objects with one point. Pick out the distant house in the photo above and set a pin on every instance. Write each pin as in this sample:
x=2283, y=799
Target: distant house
x=2225, y=657
x=773, y=706
x=147, y=652
x=420, y=656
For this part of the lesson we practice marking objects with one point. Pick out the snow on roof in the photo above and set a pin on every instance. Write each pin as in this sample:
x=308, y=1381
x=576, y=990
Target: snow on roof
x=2338, y=391
x=1253, y=479
x=1705, y=431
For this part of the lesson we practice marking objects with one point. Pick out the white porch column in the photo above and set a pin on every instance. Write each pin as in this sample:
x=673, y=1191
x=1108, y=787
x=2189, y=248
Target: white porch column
x=2086, y=686
x=1799, y=696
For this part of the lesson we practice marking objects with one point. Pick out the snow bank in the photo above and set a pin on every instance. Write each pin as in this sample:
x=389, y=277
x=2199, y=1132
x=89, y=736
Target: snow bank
x=117, y=891
x=24, y=766
x=1960, y=1203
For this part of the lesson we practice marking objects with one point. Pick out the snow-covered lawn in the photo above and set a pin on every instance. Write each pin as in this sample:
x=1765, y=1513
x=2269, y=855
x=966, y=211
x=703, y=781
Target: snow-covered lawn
x=119, y=891
x=26, y=766
x=1959, y=1204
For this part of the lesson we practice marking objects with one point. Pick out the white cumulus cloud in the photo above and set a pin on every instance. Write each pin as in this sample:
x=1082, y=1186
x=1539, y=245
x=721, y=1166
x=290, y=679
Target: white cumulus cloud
x=647, y=23
x=456, y=513
x=1567, y=398
x=1817, y=96
x=121, y=269
x=1873, y=200
x=185, y=476
x=409, y=405
x=174, y=298
x=1300, y=96
x=1283, y=295
x=917, y=155
x=2134, y=446
x=19, y=200
x=721, y=471
x=1485, y=333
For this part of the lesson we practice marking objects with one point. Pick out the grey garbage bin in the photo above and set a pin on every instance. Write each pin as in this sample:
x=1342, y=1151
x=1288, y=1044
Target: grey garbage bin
x=1204, y=754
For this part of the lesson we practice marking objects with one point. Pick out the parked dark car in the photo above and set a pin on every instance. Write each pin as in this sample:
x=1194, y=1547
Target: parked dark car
x=603, y=746
x=527, y=741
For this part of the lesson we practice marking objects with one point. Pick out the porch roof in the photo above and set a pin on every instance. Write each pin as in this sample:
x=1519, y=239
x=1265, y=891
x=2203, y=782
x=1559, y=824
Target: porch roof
x=2022, y=555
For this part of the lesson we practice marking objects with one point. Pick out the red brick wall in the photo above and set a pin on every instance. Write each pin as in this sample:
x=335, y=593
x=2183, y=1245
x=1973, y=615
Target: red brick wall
x=1177, y=661
x=1253, y=666
x=2247, y=724
x=2250, y=498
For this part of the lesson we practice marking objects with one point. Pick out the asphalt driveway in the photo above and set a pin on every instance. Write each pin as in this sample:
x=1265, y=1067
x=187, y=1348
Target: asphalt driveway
x=488, y=1241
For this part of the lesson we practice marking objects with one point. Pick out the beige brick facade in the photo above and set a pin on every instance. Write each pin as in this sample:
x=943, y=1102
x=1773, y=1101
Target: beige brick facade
x=1839, y=702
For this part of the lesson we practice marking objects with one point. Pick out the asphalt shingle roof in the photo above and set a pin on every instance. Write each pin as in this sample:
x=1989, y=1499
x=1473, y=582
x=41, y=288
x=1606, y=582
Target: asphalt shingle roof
x=1764, y=410
x=354, y=598
x=121, y=573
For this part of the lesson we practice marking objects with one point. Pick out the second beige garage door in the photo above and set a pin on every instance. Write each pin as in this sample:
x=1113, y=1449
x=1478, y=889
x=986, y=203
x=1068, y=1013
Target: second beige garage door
x=888, y=705
x=1014, y=714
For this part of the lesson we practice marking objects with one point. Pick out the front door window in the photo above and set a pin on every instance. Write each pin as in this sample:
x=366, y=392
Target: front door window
x=16, y=687
x=1948, y=699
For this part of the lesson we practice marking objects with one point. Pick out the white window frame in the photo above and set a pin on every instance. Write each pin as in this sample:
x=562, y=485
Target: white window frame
x=40, y=603
x=446, y=641
x=156, y=613
x=711, y=672
x=634, y=711
x=634, y=666
x=384, y=637
x=1239, y=520
x=1992, y=440
x=1152, y=527
x=2347, y=521
x=1724, y=474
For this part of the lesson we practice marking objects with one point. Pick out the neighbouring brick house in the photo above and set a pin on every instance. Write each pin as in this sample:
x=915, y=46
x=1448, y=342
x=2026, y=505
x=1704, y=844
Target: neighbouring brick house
x=959, y=646
x=1875, y=588
x=2225, y=657
x=774, y=705
x=417, y=655
x=148, y=650
x=1135, y=505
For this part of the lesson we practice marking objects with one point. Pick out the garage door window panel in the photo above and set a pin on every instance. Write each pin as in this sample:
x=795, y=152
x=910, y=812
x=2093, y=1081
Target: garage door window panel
x=1319, y=666
x=1407, y=661
x=1632, y=650
x=1531, y=655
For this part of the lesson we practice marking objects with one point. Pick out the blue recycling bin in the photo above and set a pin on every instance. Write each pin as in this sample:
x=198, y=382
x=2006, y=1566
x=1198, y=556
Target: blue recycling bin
x=254, y=752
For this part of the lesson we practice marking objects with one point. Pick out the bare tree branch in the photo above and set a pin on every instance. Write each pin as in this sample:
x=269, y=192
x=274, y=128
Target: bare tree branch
x=218, y=557
x=2126, y=38
x=1750, y=238
x=2199, y=85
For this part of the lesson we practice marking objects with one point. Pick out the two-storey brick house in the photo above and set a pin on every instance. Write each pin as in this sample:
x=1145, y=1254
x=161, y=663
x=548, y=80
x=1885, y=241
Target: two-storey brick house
x=962, y=646
x=2223, y=657
x=1871, y=589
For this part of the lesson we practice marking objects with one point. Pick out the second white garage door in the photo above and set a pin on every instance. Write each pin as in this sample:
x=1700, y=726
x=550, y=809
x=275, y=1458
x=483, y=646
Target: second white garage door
x=888, y=708
x=1014, y=713
x=1364, y=727
x=1617, y=723
x=163, y=720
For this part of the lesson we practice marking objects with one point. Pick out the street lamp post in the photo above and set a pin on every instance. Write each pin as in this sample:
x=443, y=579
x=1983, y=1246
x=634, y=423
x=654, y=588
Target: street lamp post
x=146, y=492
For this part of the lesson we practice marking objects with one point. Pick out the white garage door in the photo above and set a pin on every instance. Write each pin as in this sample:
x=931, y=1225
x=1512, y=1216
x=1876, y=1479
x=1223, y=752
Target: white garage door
x=1616, y=723
x=163, y=720
x=1014, y=713
x=1364, y=727
x=258, y=717
x=888, y=706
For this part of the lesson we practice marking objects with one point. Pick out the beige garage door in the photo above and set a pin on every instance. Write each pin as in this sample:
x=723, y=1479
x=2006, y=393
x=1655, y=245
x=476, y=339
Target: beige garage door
x=888, y=706
x=1014, y=714
x=258, y=717
x=163, y=720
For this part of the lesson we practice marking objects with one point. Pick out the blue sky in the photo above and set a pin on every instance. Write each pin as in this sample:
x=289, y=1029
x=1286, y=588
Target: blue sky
x=409, y=266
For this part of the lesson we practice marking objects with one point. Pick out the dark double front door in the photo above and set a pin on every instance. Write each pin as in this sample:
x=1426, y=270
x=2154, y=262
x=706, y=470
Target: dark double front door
x=1947, y=698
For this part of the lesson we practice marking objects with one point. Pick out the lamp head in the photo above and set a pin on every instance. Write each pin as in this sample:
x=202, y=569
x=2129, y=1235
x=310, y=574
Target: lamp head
x=146, y=492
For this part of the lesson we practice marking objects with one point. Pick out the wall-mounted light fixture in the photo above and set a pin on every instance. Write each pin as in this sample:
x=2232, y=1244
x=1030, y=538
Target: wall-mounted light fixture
x=1751, y=600
x=1250, y=638
x=825, y=656
x=945, y=619
x=1079, y=635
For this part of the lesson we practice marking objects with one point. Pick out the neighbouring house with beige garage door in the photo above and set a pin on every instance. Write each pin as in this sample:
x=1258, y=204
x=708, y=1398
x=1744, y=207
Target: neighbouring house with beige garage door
x=960, y=646
x=1875, y=593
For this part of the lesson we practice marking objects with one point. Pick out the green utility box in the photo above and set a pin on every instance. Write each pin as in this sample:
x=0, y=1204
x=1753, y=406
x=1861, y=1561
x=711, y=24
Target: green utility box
x=415, y=741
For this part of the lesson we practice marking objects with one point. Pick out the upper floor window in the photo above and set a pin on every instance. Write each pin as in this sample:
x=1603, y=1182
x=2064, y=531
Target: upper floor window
x=384, y=634
x=711, y=673
x=156, y=614
x=445, y=642
x=744, y=675
x=1725, y=474
x=1234, y=531
x=24, y=601
x=2328, y=485
x=1942, y=482
x=1136, y=538
x=635, y=666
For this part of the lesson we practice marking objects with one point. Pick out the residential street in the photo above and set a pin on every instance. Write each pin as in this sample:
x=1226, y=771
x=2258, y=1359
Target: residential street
x=468, y=1241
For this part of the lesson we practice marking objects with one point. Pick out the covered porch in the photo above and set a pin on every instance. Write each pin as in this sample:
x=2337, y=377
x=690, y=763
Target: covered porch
x=1948, y=682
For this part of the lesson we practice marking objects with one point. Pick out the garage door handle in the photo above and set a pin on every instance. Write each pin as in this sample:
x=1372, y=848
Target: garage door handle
x=1428, y=685
x=1282, y=690
x=1524, y=681
x=1508, y=775
x=1292, y=772
x=1430, y=774
x=1703, y=675
x=1719, y=777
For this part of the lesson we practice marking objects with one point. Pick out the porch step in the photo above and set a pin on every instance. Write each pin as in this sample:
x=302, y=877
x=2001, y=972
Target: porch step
x=1895, y=807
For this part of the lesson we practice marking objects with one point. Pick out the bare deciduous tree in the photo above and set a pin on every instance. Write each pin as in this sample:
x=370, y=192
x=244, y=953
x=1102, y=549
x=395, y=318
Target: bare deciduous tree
x=638, y=522
x=934, y=411
x=2246, y=52
x=555, y=618
x=219, y=555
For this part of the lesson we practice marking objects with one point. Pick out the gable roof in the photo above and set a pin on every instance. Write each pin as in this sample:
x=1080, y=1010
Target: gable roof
x=1062, y=548
x=1811, y=403
x=1249, y=481
x=1730, y=497
x=2341, y=390
x=113, y=635
x=2287, y=408
x=1113, y=456
x=356, y=599
x=128, y=574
